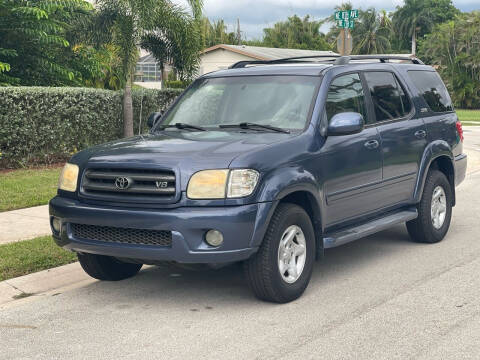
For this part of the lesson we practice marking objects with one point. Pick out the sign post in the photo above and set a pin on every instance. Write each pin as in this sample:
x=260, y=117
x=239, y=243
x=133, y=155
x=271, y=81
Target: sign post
x=345, y=21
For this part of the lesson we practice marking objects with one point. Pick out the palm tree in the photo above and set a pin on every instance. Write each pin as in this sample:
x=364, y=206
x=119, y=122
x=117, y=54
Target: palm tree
x=372, y=33
x=176, y=40
x=411, y=18
x=126, y=23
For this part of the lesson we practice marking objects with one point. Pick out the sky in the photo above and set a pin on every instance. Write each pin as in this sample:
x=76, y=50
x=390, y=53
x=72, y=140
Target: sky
x=255, y=15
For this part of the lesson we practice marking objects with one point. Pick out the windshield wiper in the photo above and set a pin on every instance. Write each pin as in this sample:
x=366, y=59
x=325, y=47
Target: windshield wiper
x=249, y=125
x=181, y=126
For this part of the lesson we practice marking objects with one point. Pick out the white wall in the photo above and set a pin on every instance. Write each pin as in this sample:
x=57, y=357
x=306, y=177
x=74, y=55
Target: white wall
x=219, y=59
x=149, y=84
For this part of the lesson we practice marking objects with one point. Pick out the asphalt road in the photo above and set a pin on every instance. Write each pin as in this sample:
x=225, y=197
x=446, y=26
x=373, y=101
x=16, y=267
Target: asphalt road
x=382, y=297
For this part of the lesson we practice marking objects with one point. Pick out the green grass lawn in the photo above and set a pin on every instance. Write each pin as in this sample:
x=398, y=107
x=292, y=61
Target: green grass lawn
x=27, y=187
x=469, y=117
x=25, y=257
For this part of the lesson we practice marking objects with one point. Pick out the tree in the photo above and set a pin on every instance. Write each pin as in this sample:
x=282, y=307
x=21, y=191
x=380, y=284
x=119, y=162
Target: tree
x=99, y=67
x=126, y=23
x=453, y=48
x=238, y=33
x=215, y=33
x=176, y=41
x=296, y=33
x=417, y=18
x=372, y=32
x=34, y=46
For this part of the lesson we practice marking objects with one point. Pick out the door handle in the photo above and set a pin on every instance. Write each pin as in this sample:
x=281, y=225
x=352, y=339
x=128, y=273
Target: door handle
x=420, y=134
x=372, y=144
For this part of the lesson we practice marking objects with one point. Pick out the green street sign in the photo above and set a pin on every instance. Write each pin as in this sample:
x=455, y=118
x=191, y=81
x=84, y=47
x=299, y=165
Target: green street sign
x=346, y=24
x=346, y=15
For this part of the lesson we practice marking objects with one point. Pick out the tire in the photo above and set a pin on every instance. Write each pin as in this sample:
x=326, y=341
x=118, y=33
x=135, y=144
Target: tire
x=107, y=268
x=262, y=270
x=423, y=229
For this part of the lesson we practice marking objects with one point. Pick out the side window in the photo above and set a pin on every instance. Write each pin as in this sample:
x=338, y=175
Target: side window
x=432, y=89
x=389, y=99
x=346, y=95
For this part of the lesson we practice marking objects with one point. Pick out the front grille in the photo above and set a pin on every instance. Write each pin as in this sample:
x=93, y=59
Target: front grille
x=127, y=183
x=122, y=235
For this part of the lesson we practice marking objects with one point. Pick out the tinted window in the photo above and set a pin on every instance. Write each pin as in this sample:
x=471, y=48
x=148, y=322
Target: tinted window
x=432, y=89
x=389, y=100
x=346, y=95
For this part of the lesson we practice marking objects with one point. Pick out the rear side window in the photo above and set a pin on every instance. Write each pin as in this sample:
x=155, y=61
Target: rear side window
x=346, y=95
x=389, y=99
x=432, y=89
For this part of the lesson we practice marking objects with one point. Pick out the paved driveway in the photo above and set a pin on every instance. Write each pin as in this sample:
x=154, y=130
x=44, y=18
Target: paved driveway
x=382, y=297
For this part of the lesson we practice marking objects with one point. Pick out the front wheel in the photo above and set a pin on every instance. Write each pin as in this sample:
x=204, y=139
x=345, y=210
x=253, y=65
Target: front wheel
x=434, y=210
x=281, y=269
x=107, y=268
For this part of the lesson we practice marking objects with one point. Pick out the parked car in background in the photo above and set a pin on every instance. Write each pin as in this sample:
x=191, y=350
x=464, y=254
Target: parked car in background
x=269, y=163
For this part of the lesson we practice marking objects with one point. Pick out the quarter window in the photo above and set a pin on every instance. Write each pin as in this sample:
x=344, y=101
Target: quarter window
x=389, y=99
x=432, y=89
x=346, y=95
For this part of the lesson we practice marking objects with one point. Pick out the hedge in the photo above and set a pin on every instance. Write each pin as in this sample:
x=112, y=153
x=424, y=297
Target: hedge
x=41, y=125
x=177, y=84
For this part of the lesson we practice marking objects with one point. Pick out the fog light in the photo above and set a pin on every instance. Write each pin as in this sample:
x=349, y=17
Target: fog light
x=56, y=224
x=214, y=238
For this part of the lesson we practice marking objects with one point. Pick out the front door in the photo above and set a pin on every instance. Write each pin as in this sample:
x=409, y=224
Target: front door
x=351, y=164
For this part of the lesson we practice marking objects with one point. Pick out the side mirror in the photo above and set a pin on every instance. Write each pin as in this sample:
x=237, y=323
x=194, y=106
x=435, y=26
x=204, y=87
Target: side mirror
x=346, y=123
x=153, y=118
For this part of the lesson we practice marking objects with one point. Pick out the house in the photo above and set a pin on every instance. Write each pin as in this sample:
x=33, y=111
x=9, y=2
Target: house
x=147, y=71
x=222, y=56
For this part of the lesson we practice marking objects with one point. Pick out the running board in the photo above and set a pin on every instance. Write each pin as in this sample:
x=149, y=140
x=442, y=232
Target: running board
x=345, y=236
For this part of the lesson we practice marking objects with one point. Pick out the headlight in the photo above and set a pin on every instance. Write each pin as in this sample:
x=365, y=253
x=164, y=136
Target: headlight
x=212, y=184
x=68, y=178
x=207, y=184
x=242, y=183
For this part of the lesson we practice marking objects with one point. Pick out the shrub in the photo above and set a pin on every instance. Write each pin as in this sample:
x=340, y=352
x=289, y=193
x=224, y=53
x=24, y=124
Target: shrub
x=146, y=101
x=177, y=84
x=43, y=125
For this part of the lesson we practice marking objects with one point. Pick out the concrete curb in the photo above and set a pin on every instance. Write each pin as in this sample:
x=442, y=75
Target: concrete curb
x=40, y=283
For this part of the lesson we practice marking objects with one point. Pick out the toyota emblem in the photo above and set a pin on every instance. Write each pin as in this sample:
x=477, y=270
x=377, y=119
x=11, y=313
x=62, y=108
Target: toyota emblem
x=122, y=183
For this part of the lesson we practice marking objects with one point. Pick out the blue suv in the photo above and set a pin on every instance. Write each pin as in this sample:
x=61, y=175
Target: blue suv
x=269, y=163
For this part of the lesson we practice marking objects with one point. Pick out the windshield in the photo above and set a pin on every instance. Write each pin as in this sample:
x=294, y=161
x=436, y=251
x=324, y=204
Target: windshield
x=280, y=101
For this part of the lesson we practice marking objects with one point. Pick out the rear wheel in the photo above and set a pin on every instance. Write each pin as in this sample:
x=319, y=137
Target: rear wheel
x=434, y=210
x=107, y=268
x=281, y=269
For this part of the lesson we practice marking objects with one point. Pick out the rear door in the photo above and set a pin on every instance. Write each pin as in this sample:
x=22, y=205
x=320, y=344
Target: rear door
x=437, y=108
x=403, y=135
x=351, y=164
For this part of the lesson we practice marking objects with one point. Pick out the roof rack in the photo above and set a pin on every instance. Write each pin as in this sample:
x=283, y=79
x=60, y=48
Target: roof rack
x=342, y=60
x=296, y=59
x=335, y=59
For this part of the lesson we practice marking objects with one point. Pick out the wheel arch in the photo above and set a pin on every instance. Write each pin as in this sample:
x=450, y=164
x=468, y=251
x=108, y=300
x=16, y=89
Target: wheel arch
x=438, y=156
x=309, y=202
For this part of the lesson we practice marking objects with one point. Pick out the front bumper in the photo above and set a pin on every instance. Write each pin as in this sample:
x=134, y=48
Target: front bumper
x=243, y=228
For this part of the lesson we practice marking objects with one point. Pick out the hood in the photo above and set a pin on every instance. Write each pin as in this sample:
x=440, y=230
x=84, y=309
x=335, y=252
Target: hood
x=180, y=149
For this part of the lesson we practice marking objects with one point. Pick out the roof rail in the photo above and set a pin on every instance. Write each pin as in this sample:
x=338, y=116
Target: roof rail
x=335, y=59
x=343, y=60
x=296, y=59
